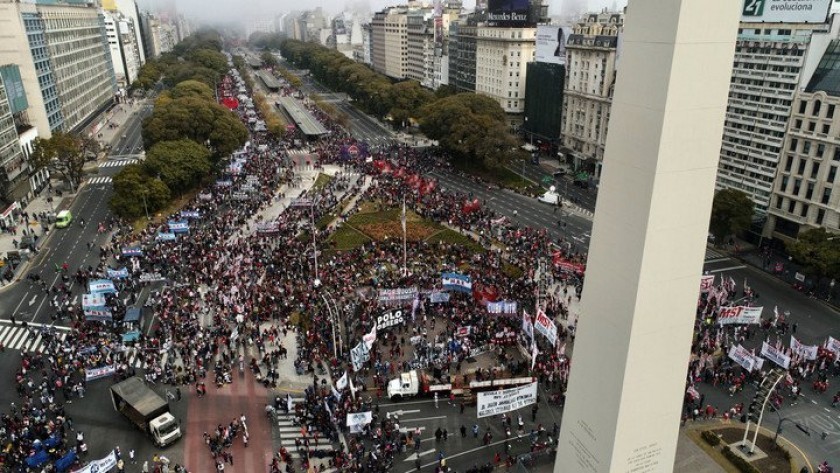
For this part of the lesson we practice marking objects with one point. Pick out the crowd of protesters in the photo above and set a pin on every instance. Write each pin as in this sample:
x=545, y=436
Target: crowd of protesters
x=240, y=278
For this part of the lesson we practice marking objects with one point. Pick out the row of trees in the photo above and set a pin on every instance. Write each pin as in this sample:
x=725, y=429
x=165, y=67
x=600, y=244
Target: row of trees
x=198, y=57
x=467, y=125
x=187, y=134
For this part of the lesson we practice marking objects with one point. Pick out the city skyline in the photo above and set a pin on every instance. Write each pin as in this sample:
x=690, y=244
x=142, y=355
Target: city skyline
x=233, y=10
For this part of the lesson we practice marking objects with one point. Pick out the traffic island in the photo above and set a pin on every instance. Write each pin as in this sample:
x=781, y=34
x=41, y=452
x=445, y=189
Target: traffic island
x=724, y=446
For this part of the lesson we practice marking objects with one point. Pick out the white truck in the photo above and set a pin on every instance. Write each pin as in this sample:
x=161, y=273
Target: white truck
x=147, y=410
x=416, y=383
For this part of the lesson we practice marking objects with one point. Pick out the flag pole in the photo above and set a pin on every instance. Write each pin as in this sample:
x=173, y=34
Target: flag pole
x=405, y=251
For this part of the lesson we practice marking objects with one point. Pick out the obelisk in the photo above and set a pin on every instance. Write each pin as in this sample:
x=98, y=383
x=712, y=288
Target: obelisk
x=631, y=353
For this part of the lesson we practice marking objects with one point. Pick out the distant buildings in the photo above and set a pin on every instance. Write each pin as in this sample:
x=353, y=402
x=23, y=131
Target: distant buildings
x=591, y=54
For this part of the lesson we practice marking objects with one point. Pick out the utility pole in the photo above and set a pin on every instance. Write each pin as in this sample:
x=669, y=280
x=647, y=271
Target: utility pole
x=762, y=395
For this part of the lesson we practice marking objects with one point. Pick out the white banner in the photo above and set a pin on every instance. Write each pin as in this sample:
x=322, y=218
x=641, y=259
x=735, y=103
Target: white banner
x=807, y=351
x=342, y=382
x=774, y=355
x=98, y=466
x=785, y=11
x=527, y=325
x=101, y=372
x=706, y=282
x=739, y=315
x=546, y=327
x=370, y=337
x=358, y=420
x=743, y=357
x=506, y=400
x=833, y=345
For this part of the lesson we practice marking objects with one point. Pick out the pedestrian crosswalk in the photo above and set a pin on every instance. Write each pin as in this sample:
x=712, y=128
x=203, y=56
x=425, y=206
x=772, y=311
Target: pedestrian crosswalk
x=99, y=180
x=16, y=337
x=714, y=255
x=289, y=433
x=30, y=340
x=117, y=163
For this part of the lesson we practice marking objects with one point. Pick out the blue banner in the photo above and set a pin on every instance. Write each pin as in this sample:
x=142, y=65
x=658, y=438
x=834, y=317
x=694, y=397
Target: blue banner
x=457, y=282
x=121, y=273
x=165, y=236
x=190, y=214
x=179, y=226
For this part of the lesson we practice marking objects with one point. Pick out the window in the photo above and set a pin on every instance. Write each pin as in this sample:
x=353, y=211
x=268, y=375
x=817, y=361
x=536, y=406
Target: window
x=815, y=169
x=826, y=128
x=802, y=106
x=804, y=210
x=797, y=186
x=801, y=169
x=820, y=150
x=788, y=163
x=809, y=191
x=797, y=125
x=830, y=112
x=832, y=173
x=826, y=196
x=806, y=148
x=785, y=180
x=817, y=106
x=795, y=142
x=791, y=206
x=811, y=126
x=820, y=216
x=779, y=201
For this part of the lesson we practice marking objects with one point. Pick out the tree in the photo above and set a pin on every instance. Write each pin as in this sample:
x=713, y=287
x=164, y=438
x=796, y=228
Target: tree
x=268, y=59
x=818, y=251
x=209, y=58
x=136, y=193
x=63, y=154
x=180, y=164
x=196, y=119
x=470, y=126
x=732, y=212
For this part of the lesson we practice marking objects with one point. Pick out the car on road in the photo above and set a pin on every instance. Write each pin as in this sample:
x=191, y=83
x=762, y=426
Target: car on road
x=63, y=219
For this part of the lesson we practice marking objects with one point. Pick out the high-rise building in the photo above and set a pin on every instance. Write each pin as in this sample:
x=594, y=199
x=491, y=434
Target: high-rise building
x=420, y=37
x=771, y=62
x=803, y=190
x=14, y=184
x=64, y=59
x=389, y=41
x=159, y=34
x=502, y=55
x=259, y=25
x=591, y=53
x=462, y=44
x=123, y=42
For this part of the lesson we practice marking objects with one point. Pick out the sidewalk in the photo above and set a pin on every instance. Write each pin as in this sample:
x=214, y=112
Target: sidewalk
x=36, y=219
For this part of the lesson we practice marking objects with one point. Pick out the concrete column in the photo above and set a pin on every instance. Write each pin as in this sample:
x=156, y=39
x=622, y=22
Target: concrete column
x=648, y=240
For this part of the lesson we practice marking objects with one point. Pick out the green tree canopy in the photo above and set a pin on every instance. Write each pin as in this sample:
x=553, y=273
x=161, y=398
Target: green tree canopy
x=135, y=192
x=732, y=212
x=196, y=119
x=180, y=164
x=268, y=59
x=63, y=154
x=209, y=58
x=469, y=125
x=818, y=251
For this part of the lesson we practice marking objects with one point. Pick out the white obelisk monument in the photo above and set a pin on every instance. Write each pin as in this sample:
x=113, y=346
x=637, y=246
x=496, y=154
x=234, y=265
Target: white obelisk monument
x=633, y=341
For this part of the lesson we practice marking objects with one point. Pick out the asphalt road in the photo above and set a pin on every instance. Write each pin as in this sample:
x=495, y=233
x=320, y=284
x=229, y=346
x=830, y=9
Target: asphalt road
x=461, y=453
x=585, y=198
x=130, y=143
x=815, y=321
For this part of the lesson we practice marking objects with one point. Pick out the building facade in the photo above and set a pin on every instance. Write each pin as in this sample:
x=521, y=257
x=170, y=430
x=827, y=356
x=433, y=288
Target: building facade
x=544, y=101
x=462, y=52
x=771, y=62
x=123, y=42
x=591, y=52
x=64, y=59
x=803, y=194
x=14, y=169
x=420, y=59
x=502, y=56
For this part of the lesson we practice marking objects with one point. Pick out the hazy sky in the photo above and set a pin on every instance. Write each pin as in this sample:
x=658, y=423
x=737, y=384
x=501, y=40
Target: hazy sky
x=244, y=10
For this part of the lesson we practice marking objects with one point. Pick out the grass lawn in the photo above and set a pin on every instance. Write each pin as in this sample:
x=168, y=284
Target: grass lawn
x=322, y=181
x=347, y=238
x=452, y=237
